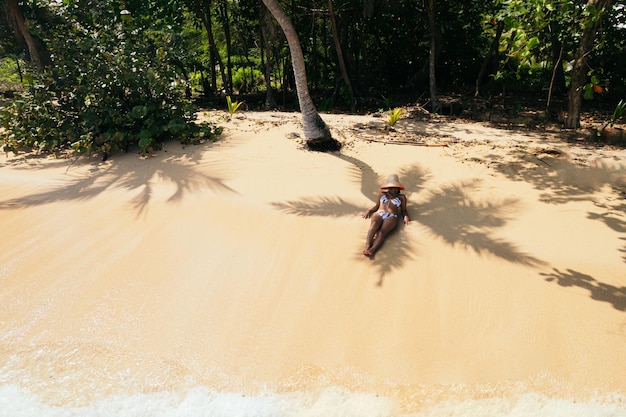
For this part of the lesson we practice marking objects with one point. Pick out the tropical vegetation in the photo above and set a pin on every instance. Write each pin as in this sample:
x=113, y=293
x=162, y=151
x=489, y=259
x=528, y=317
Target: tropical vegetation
x=96, y=75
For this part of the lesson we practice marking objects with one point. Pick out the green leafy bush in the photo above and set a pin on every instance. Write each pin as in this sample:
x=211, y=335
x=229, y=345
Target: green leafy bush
x=248, y=80
x=8, y=71
x=112, y=86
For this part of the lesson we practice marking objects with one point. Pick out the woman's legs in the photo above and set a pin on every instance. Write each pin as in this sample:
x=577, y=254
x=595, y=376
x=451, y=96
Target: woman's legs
x=375, y=225
x=388, y=226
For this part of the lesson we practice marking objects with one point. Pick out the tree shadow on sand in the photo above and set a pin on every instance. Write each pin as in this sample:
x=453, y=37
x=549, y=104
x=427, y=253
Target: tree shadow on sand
x=138, y=176
x=616, y=296
x=319, y=206
x=613, y=216
x=454, y=216
x=397, y=248
x=393, y=255
x=561, y=179
x=450, y=214
x=564, y=181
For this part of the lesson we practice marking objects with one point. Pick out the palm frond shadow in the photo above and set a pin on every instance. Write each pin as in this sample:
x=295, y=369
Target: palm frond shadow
x=413, y=178
x=565, y=181
x=452, y=215
x=612, y=218
x=103, y=177
x=616, y=296
x=562, y=180
x=364, y=175
x=32, y=161
x=321, y=206
x=397, y=246
x=393, y=255
x=449, y=213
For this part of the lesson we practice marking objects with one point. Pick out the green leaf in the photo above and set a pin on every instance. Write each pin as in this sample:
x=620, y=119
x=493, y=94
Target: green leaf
x=394, y=115
x=144, y=142
x=139, y=112
x=232, y=106
x=619, y=111
x=532, y=42
x=145, y=134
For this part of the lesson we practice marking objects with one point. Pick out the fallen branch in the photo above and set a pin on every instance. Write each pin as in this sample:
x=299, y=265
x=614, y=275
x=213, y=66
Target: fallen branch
x=406, y=142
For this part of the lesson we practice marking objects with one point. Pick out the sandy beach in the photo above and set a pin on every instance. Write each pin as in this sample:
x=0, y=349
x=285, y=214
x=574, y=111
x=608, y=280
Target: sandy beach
x=237, y=265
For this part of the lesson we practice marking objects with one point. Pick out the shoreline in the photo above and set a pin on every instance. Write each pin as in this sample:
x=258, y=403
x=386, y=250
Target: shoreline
x=241, y=260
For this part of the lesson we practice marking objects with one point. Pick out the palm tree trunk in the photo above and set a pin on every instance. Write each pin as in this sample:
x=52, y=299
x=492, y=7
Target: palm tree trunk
x=316, y=133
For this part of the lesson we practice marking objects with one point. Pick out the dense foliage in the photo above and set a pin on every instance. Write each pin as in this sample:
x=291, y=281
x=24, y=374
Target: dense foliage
x=122, y=72
x=113, y=84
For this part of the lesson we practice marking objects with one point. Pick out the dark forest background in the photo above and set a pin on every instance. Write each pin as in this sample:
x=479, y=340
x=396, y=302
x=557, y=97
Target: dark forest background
x=100, y=75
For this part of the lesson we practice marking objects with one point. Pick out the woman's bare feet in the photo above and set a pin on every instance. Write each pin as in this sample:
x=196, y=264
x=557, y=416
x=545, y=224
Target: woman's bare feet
x=368, y=252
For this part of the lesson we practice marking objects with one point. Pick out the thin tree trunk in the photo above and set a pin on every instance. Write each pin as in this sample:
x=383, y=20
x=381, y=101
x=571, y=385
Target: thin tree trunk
x=339, y=49
x=493, y=50
x=432, y=24
x=223, y=8
x=270, y=101
x=19, y=70
x=559, y=73
x=214, y=56
x=579, y=69
x=316, y=133
x=39, y=54
x=266, y=52
x=555, y=68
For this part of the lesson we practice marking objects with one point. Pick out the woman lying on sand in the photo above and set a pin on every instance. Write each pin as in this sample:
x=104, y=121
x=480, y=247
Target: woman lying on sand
x=384, y=214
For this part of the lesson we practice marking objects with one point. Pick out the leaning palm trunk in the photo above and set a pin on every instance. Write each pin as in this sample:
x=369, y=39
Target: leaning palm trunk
x=316, y=133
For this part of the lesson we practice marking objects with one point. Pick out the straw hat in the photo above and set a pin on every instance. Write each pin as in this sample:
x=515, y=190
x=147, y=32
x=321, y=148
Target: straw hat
x=392, y=182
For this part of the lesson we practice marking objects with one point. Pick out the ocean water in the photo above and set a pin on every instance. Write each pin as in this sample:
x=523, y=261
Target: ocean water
x=77, y=379
x=16, y=401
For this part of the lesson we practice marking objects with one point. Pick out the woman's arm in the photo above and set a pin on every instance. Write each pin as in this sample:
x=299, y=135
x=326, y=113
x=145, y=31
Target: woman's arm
x=403, y=210
x=373, y=210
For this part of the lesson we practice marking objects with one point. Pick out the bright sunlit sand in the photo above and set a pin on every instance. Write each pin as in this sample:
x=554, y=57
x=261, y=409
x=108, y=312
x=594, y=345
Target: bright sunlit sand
x=227, y=279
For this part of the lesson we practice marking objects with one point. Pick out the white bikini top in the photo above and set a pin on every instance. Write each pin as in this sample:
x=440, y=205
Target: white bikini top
x=396, y=200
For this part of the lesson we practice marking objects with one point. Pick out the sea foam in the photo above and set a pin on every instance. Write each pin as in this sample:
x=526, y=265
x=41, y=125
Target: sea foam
x=16, y=401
